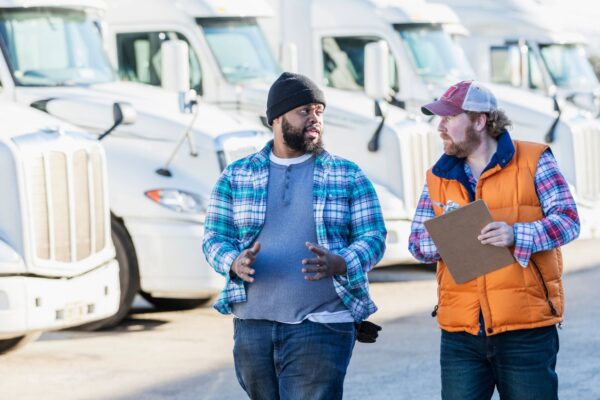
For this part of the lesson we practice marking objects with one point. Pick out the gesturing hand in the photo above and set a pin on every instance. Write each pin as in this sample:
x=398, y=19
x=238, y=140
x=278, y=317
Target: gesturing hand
x=497, y=234
x=242, y=265
x=326, y=263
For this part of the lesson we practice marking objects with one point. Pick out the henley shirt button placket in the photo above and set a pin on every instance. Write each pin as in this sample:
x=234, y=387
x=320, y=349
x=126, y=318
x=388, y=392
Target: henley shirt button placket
x=287, y=185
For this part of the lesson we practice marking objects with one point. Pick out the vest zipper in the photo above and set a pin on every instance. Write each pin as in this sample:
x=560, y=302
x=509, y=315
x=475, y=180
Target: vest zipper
x=537, y=269
x=434, y=312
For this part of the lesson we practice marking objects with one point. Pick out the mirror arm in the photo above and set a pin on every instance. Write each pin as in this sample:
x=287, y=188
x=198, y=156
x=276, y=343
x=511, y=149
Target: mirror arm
x=373, y=145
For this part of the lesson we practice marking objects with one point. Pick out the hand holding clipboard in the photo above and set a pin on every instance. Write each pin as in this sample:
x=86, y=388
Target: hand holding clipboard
x=455, y=236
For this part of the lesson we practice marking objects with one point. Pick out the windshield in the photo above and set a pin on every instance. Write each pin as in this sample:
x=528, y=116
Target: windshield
x=434, y=54
x=53, y=47
x=240, y=49
x=569, y=66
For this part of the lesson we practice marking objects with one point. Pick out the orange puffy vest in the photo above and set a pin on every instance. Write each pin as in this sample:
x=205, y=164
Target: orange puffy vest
x=512, y=297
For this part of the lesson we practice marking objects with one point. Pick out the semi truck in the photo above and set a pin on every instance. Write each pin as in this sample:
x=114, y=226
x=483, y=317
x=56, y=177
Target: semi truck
x=161, y=166
x=530, y=45
x=57, y=260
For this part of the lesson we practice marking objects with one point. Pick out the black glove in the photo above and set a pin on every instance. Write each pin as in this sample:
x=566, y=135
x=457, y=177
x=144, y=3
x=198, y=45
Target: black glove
x=367, y=332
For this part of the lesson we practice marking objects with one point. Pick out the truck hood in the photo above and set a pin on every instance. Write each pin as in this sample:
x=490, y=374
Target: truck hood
x=19, y=120
x=158, y=114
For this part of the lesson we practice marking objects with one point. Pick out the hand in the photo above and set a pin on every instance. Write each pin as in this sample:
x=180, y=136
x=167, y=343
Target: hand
x=367, y=332
x=498, y=234
x=326, y=263
x=242, y=265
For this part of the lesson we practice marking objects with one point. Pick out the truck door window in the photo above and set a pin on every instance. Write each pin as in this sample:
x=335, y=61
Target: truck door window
x=536, y=77
x=504, y=69
x=344, y=61
x=139, y=58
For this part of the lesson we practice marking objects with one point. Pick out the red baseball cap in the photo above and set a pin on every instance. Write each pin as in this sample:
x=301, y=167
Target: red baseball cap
x=461, y=97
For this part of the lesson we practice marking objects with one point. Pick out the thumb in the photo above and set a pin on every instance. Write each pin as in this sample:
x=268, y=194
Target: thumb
x=255, y=248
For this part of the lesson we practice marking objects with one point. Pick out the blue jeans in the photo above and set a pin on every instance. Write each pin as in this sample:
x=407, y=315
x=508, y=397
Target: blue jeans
x=521, y=364
x=292, y=361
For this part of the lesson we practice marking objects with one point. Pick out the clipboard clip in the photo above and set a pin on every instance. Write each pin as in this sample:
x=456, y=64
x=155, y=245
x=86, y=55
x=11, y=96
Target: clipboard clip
x=450, y=206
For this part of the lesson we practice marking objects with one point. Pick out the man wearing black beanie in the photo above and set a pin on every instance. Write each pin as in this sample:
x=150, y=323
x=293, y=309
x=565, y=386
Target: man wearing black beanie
x=290, y=91
x=294, y=230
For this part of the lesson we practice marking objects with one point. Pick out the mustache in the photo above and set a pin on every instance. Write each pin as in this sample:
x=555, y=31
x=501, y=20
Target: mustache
x=313, y=126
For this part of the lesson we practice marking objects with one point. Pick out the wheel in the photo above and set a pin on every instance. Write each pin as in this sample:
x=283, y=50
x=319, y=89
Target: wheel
x=12, y=344
x=129, y=278
x=162, y=303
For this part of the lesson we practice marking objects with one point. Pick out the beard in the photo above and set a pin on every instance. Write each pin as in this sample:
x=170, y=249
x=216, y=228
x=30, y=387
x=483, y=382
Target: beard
x=464, y=148
x=296, y=138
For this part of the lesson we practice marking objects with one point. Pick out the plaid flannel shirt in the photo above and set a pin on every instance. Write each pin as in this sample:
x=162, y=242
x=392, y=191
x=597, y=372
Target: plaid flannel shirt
x=559, y=226
x=347, y=215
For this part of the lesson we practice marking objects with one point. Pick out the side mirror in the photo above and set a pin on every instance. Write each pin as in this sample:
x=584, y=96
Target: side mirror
x=376, y=70
x=175, y=72
x=289, y=57
x=175, y=67
x=514, y=64
x=123, y=114
x=523, y=52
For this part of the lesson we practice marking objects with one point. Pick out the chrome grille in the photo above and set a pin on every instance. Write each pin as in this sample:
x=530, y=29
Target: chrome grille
x=586, y=146
x=67, y=192
x=59, y=204
x=420, y=150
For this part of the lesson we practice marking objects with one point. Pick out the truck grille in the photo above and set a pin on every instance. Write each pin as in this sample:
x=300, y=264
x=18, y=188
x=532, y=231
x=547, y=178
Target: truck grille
x=420, y=150
x=586, y=146
x=67, y=206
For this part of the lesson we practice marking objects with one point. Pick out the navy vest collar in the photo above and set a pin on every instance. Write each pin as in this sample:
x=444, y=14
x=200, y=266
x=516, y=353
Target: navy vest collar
x=451, y=167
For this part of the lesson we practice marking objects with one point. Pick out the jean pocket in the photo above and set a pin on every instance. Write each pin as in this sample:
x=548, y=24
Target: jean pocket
x=236, y=321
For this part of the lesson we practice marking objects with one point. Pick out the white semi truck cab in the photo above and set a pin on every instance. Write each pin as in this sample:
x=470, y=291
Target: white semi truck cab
x=161, y=166
x=527, y=44
x=57, y=260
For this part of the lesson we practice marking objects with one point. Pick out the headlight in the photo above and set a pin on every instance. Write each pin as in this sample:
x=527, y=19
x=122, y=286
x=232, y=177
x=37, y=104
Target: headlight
x=178, y=200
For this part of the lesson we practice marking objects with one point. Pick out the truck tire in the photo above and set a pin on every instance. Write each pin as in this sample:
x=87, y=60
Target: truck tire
x=12, y=344
x=129, y=278
x=162, y=303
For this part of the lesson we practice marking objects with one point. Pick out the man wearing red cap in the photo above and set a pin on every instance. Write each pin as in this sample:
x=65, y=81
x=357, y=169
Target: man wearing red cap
x=498, y=330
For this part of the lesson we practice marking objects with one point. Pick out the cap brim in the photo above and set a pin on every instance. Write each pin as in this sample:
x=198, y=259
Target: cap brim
x=441, y=108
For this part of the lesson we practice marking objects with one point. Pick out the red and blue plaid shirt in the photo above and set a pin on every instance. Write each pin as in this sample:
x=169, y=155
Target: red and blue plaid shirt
x=559, y=226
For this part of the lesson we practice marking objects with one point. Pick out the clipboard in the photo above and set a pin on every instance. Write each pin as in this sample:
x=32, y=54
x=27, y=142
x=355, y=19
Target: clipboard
x=455, y=236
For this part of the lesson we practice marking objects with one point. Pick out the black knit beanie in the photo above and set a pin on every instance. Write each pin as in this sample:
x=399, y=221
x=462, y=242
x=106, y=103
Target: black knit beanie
x=290, y=91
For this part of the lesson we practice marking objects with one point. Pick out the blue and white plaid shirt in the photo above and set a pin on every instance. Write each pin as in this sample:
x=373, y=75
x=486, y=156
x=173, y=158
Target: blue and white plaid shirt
x=347, y=215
